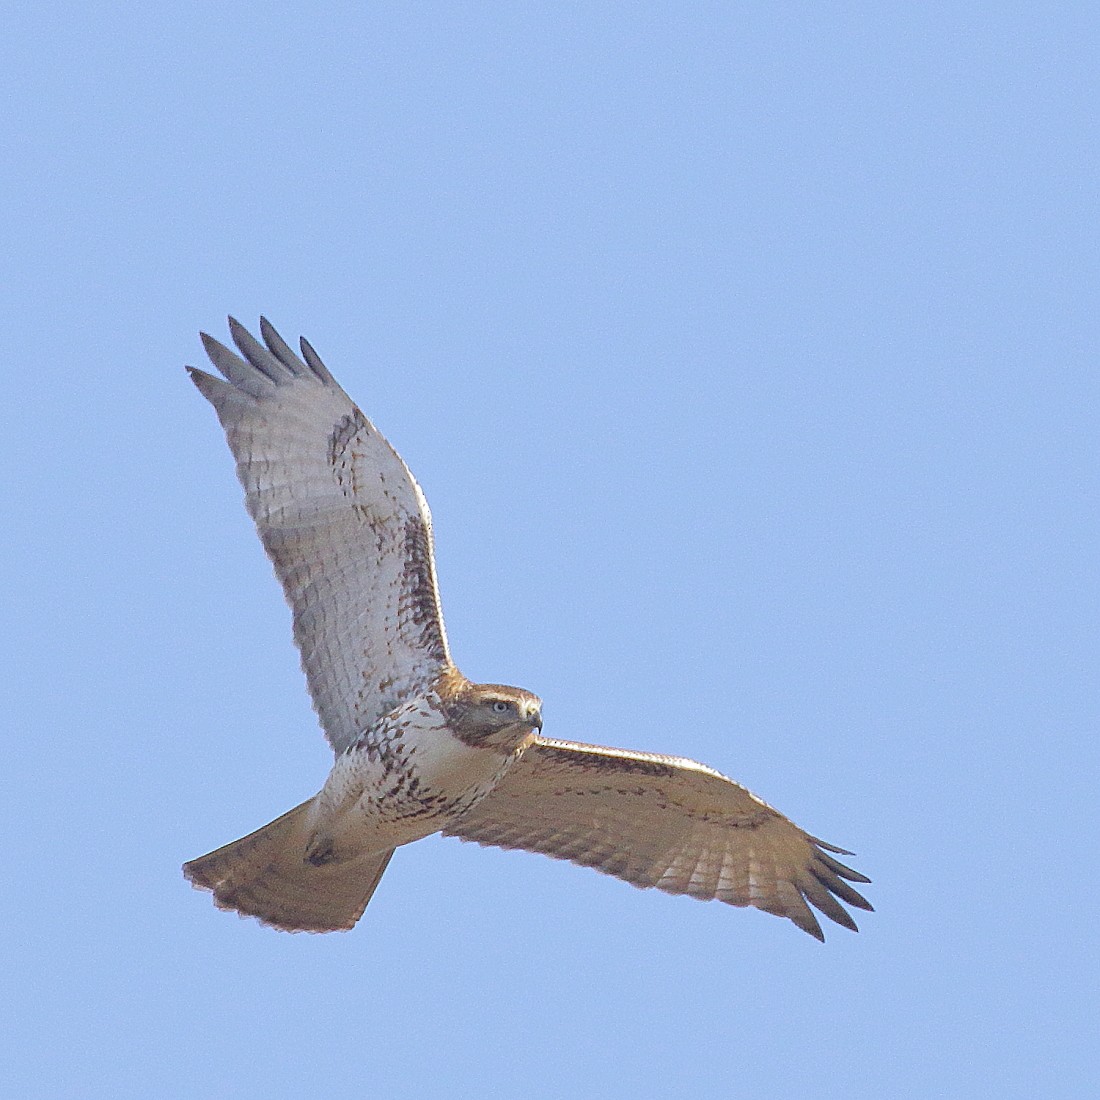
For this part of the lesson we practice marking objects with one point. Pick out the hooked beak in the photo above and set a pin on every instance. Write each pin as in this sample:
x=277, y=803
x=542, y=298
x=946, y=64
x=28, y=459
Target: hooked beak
x=534, y=719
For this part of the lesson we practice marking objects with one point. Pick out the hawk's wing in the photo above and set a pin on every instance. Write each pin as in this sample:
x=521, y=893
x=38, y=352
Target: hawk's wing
x=344, y=523
x=662, y=821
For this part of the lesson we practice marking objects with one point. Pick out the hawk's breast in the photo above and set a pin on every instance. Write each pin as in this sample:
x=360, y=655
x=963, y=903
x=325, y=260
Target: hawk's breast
x=409, y=775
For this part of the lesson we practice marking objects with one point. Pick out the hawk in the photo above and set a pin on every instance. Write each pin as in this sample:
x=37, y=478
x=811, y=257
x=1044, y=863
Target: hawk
x=419, y=748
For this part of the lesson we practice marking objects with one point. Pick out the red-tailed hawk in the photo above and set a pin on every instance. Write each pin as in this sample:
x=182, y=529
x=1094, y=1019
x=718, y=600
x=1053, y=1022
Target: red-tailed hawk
x=419, y=748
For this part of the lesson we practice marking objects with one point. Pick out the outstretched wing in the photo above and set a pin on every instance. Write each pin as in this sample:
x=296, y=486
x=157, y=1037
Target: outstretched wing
x=344, y=523
x=663, y=821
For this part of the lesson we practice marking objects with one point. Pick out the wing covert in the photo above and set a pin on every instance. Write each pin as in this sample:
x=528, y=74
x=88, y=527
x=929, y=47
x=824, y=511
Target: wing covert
x=344, y=523
x=664, y=822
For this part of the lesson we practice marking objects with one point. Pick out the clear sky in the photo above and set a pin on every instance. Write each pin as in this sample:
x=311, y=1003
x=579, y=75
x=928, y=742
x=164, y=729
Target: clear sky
x=747, y=355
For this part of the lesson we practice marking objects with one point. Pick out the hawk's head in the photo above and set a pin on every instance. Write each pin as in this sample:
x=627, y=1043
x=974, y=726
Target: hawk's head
x=494, y=716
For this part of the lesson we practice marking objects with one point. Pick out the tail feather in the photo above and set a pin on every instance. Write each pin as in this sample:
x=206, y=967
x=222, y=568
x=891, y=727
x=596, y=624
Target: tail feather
x=266, y=875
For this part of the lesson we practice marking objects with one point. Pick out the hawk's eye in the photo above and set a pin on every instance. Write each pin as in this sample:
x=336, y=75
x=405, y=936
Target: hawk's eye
x=501, y=707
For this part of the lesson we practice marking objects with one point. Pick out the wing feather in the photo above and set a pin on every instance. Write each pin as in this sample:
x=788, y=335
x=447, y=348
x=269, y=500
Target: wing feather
x=344, y=523
x=662, y=821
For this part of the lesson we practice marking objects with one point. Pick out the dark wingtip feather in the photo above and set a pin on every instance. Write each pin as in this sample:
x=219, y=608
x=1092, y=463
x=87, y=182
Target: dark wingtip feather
x=841, y=869
x=245, y=376
x=314, y=361
x=816, y=891
x=813, y=929
x=207, y=384
x=280, y=348
x=831, y=847
x=853, y=897
x=801, y=915
x=842, y=889
x=259, y=356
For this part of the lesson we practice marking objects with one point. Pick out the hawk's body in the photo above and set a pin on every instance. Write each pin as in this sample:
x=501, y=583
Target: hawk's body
x=419, y=748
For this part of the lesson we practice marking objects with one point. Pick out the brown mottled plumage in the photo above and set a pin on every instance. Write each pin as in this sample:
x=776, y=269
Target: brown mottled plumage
x=419, y=748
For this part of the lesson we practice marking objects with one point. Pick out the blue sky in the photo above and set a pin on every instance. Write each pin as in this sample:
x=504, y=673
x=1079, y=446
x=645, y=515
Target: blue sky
x=747, y=355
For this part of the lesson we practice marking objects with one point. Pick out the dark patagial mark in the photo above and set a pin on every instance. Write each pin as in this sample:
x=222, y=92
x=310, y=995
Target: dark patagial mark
x=343, y=432
x=417, y=603
x=598, y=762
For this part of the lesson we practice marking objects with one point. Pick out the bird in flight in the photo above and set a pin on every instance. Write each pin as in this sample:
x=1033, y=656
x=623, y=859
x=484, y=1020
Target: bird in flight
x=419, y=748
